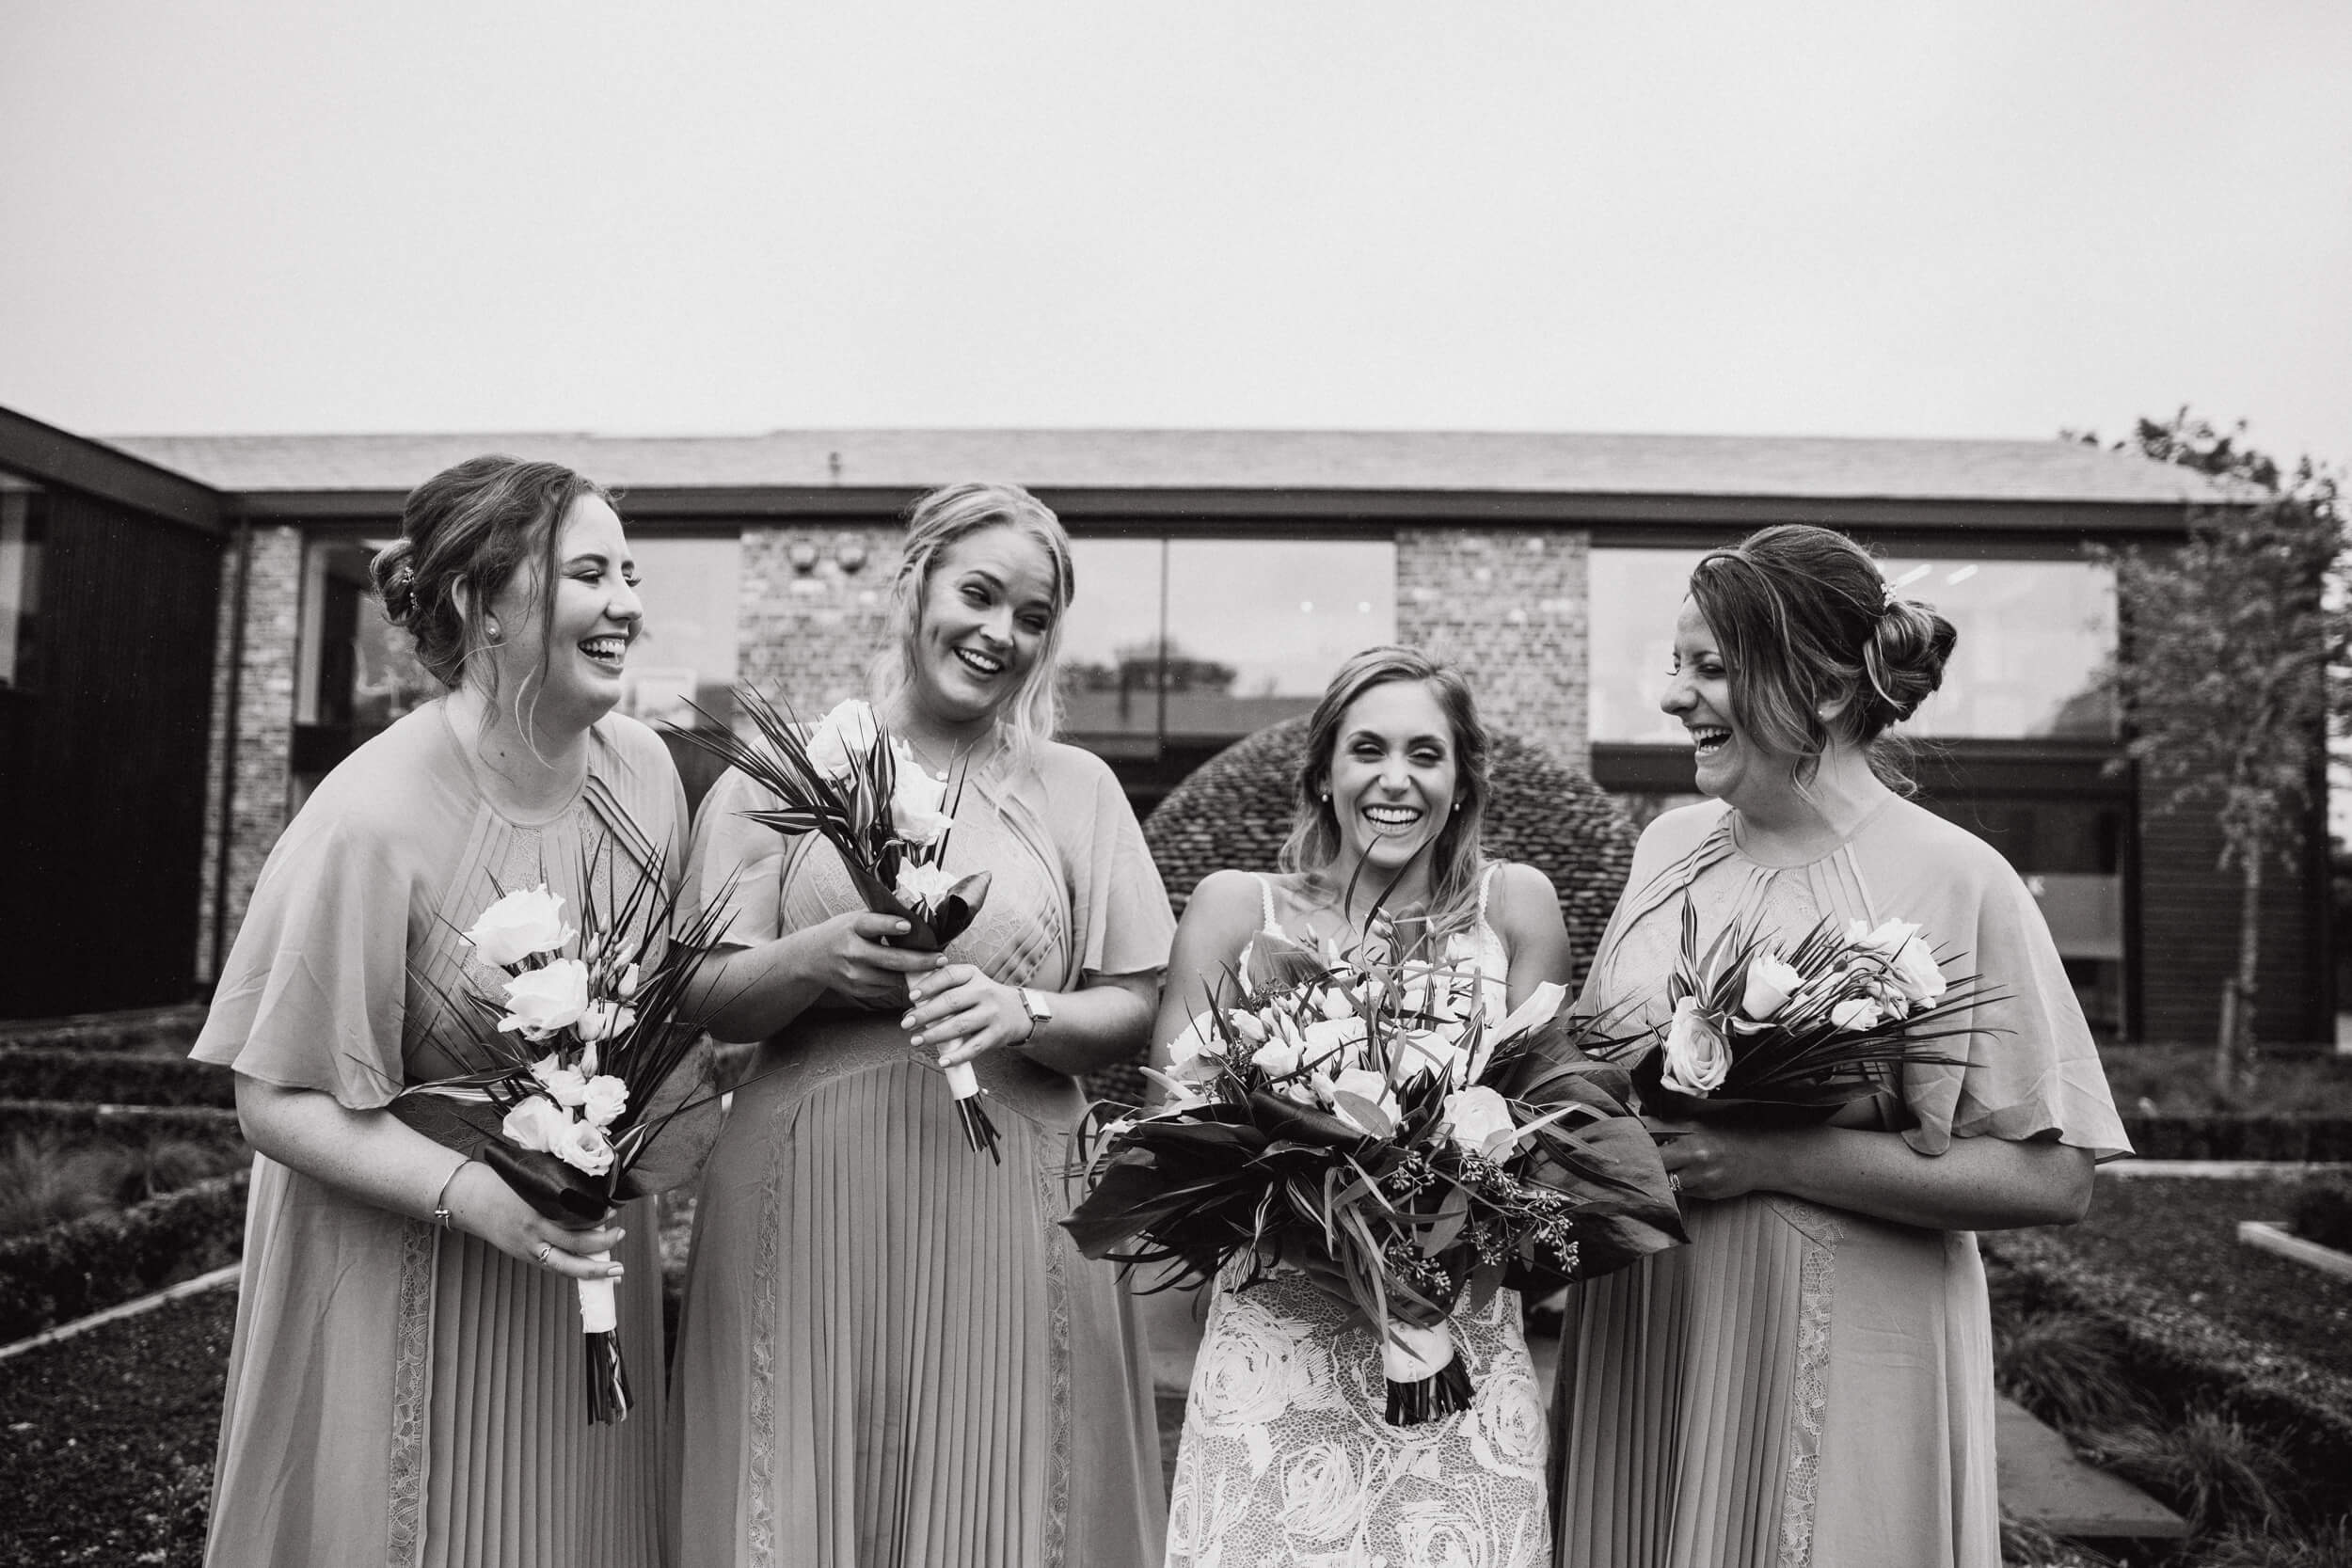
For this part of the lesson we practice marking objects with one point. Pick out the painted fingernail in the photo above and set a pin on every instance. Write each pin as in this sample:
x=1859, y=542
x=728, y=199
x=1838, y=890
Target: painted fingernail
x=916, y=1040
x=903, y=928
x=615, y=1271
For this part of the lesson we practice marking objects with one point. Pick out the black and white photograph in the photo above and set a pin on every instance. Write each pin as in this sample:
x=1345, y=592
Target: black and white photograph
x=1526, y=786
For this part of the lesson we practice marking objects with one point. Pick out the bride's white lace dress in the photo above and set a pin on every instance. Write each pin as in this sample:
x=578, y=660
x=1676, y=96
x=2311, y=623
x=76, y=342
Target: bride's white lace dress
x=1287, y=1457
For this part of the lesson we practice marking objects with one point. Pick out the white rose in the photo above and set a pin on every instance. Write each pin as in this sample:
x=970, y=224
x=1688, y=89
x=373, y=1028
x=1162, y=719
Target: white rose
x=1321, y=1498
x=1885, y=941
x=1279, y=1058
x=1480, y=1122
x=1334, y=1003
x=1437, y=1051
x=1697, y=1056
x=1330, y=1039
x=921, y=887
x=1772, y=981
x=1247, y=1027
x=568, y=1086
x=850, y=727
x=1859, y=1014
x=528, y=921
x=1913, y=972
x=1365, y=1085
x=535, y=1122
x=583, y=1146
x=918, y=807
x=604, y=1020
x=605, y=1099
x=541, y=1001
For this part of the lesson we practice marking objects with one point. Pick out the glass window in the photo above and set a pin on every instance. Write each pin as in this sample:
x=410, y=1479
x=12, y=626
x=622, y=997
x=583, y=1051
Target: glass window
x=23, y=527
x=2036, y=638
x=1192, y=643
x=358, y=675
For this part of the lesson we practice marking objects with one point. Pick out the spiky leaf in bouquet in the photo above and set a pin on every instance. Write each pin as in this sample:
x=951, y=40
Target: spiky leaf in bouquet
x=1764, y=1036
x=849, y=781
x=1363, y=1121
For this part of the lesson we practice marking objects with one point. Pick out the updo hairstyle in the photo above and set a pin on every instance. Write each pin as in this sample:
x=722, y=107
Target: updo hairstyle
x=1457, y=856
x=474, y=525
x=1805, y=621
x=937, y=522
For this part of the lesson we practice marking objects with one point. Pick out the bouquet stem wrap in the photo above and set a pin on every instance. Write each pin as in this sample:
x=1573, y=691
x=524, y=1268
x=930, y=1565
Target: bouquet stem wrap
x=609, y=1399
x=1427, y=1381
x=980, y=1133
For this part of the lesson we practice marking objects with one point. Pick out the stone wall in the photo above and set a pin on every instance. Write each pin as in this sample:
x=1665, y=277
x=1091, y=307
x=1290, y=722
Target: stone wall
x=1509, y=606
x=814, y=609
x=263, y=725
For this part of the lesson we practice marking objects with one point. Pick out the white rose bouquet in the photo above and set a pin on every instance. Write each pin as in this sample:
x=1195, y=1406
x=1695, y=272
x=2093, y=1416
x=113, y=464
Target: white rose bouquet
x=852, y=780
x=1766, y=1036
x=588, y=1082
x=1363, y=1120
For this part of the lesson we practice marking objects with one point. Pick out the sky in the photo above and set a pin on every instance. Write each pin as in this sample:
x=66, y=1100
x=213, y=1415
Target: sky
x=1987, y=219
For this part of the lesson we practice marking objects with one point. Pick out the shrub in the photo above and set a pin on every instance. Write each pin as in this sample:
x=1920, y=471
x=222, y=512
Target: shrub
x=80, y=1266
x=2323, y=1212
x=2327, y=1545
x=2208, y=1465
x=112, y=1078
x=2224, y=1136
x=43, y=1181
x=127, y=1125
x=2026, y=1545
x=2064, y=1365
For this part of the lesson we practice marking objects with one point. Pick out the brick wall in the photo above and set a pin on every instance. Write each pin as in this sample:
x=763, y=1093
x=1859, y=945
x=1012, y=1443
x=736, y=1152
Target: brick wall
x=808, y=631
x=1509, y=606
x=264, y=724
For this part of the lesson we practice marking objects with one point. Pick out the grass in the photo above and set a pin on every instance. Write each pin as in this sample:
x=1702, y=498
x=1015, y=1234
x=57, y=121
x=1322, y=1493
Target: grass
x=2176, y=1081
x=108, y=1455
x=2178, y=1236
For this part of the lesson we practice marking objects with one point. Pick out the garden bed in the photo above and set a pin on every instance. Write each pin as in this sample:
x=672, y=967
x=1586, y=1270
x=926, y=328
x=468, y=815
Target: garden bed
x=2217, y=1377
x=107, y=1077
x=108, y=1450
x=80, y=1266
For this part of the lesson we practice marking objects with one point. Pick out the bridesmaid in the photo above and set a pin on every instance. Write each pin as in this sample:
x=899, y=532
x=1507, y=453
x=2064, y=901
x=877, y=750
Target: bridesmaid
x=1287, y=1453
x=406, y=1383
x=1810, y=1379
x=891, y=1353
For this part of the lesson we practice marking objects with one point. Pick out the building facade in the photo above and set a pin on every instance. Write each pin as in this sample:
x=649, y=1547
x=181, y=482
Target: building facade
x=1223, y=575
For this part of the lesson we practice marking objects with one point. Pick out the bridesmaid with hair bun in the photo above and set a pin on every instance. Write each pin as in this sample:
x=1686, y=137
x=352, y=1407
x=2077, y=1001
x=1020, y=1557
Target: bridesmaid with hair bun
x=1810, y=1381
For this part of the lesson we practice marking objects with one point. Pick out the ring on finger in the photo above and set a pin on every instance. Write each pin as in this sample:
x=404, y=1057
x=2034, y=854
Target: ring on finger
x=1673, y=1181
x=547, y=1250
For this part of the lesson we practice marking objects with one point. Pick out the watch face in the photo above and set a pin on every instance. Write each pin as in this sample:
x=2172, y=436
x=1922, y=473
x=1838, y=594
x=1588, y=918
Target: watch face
x=1039, y=1007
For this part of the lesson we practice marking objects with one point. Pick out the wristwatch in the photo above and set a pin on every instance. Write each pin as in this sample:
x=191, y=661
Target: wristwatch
x=1041, y=1011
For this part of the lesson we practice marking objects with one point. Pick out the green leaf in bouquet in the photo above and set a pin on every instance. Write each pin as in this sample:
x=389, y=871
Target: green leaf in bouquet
x=1306, y=1124
x=1367, y=1117
x=956, y=910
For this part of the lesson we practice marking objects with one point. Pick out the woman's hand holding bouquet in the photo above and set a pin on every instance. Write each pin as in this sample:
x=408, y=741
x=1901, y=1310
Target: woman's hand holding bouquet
x=1361, y=1120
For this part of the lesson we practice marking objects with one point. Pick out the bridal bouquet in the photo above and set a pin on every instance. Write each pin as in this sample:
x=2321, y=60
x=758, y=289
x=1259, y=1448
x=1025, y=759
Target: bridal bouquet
x=585, y=1069
x=1362, y=1120
x=1766, y=1036
x=860, y=786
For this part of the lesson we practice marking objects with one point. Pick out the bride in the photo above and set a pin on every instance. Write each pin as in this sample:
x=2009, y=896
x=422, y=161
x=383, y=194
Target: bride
x=1286, y=1454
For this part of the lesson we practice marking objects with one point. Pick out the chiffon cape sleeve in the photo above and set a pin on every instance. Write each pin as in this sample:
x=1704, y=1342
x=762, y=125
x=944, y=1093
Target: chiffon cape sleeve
x=2030, y=1069
x=313, y=994
x=1118, y=914
x=737, y=864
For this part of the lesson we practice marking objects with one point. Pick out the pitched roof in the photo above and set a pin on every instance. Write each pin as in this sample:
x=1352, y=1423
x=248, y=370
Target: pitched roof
x=1814, y=467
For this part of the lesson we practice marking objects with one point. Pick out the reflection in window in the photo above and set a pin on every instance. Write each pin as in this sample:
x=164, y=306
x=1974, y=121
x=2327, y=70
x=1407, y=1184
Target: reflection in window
x=1199, y=641
x=23, y=525
x=358, y=673
x=2035, y=639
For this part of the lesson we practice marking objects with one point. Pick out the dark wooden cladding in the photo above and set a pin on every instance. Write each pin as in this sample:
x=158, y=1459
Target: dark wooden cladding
x=2188, y=934
x=102, y=767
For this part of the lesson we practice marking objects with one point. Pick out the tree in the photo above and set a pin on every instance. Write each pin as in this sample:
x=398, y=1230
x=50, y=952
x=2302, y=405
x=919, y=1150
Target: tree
x=2224, y=679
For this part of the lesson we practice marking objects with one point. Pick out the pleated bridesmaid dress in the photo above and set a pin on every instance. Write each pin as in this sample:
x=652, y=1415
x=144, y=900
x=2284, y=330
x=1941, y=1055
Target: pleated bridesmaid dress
x=1803, y=1384
x=398, y=1394
x=891, y=1354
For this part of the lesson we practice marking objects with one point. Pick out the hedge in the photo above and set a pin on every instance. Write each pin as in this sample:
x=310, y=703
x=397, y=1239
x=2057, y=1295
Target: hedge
x=172, y=1029
x=83, y=1121
x=109, y=1078
x=2241, y=1137
x=2181, y=1361
x=82, y=1266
